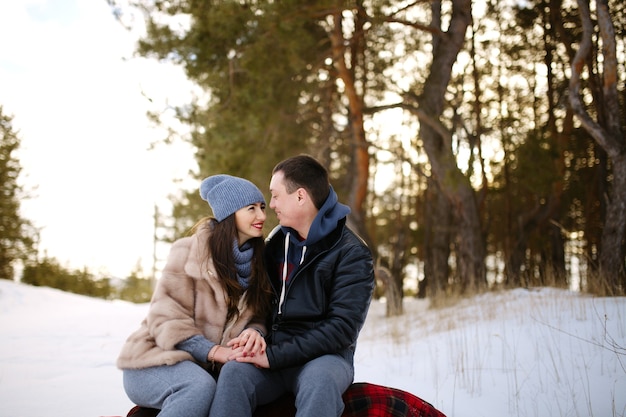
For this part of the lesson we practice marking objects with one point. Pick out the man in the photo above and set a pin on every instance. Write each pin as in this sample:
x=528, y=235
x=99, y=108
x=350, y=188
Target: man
x=323, y=278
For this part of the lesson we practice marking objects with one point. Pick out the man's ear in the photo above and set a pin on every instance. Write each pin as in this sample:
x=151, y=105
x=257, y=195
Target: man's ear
x=302, y=194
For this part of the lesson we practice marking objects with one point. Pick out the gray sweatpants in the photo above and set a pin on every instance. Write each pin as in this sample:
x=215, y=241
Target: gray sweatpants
x=318, y=387
x=182, y=389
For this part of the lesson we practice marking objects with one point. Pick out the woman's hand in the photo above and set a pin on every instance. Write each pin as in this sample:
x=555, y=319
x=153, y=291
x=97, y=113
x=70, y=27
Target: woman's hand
x=249, y=343
x=218, y=354
x=260, y=361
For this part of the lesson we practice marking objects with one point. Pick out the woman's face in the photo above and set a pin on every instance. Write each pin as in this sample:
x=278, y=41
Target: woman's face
x=249, y=222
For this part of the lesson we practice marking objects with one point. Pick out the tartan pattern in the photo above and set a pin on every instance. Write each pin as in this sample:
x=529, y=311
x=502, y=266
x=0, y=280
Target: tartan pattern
x=361, y=399
x=137, y=411
x=370, y=400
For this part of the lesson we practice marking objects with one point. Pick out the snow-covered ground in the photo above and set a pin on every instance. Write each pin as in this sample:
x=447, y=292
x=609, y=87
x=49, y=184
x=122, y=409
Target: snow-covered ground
x=542, y=352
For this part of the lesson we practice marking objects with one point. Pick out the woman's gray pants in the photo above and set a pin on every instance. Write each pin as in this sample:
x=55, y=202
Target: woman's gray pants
x=183, y=389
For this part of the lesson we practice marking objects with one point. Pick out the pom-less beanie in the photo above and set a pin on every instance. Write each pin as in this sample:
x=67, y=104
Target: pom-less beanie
x=227, y=194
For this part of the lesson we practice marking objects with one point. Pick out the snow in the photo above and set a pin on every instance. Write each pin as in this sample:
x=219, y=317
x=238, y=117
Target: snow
x=539, y=352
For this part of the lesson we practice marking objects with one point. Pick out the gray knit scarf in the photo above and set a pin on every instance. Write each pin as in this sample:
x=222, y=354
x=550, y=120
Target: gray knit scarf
x=243, y=262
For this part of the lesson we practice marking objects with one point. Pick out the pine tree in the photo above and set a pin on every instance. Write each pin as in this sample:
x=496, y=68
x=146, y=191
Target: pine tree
x=16, y=238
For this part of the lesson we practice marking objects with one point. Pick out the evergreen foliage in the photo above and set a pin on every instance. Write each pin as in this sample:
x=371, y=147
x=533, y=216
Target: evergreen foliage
x=136, y=288
x=501, y=174
x=49, y=273
x=16, y=233
x=254, y=62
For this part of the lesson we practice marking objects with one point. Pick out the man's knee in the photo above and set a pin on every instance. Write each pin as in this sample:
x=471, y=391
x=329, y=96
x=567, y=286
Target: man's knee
x=238, y=376
x=330, y=370
x=237, y=370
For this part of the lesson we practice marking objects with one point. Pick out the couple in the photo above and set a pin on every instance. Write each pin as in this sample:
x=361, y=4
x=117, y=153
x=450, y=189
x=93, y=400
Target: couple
x=214, y=311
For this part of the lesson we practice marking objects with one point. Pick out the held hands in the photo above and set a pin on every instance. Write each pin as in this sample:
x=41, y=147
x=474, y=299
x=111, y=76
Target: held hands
x=249, y=347
x=260, y=361
x=249, y=343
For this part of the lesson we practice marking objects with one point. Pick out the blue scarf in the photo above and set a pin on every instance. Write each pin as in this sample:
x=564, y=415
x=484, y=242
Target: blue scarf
x=243, y=262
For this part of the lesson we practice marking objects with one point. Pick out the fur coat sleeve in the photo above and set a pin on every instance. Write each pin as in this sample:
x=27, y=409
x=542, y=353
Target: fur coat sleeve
x=188, y=301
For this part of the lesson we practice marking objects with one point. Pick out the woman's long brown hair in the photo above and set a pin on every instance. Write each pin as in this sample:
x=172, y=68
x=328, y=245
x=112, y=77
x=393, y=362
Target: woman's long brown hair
x=220, y=245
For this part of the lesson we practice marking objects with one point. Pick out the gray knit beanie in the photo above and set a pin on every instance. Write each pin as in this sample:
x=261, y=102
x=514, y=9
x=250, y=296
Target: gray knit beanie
x=227, y=194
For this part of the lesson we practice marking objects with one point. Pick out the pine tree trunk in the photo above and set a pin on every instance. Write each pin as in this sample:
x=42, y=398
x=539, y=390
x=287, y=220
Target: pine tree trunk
x=438, y=237
x=437, y=144
x=612, y=252
x=607, y=132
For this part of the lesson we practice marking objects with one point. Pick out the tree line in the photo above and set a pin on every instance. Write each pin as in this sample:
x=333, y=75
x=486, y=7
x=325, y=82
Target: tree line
x=501, y=124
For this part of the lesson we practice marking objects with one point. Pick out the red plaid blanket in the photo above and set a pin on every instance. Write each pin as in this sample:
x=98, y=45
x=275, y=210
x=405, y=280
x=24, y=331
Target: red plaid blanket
x=361, y=399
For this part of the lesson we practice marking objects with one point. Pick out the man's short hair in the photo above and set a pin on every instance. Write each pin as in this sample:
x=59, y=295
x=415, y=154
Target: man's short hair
x=304, y=171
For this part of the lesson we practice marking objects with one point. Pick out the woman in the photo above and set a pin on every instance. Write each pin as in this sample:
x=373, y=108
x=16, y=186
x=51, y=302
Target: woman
x=212, y=289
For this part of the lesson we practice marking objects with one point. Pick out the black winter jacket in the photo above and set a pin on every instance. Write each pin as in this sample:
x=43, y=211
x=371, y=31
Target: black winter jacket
x=326, y=300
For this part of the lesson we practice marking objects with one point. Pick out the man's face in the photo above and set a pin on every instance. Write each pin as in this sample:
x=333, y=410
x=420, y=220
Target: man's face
x=285, y=205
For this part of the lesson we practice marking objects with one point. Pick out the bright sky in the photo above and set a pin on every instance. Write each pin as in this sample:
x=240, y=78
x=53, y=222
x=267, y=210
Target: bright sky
x=79, y=103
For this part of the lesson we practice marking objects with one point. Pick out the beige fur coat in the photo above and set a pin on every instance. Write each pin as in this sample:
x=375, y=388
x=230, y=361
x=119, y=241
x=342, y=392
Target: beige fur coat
x=188, y=301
